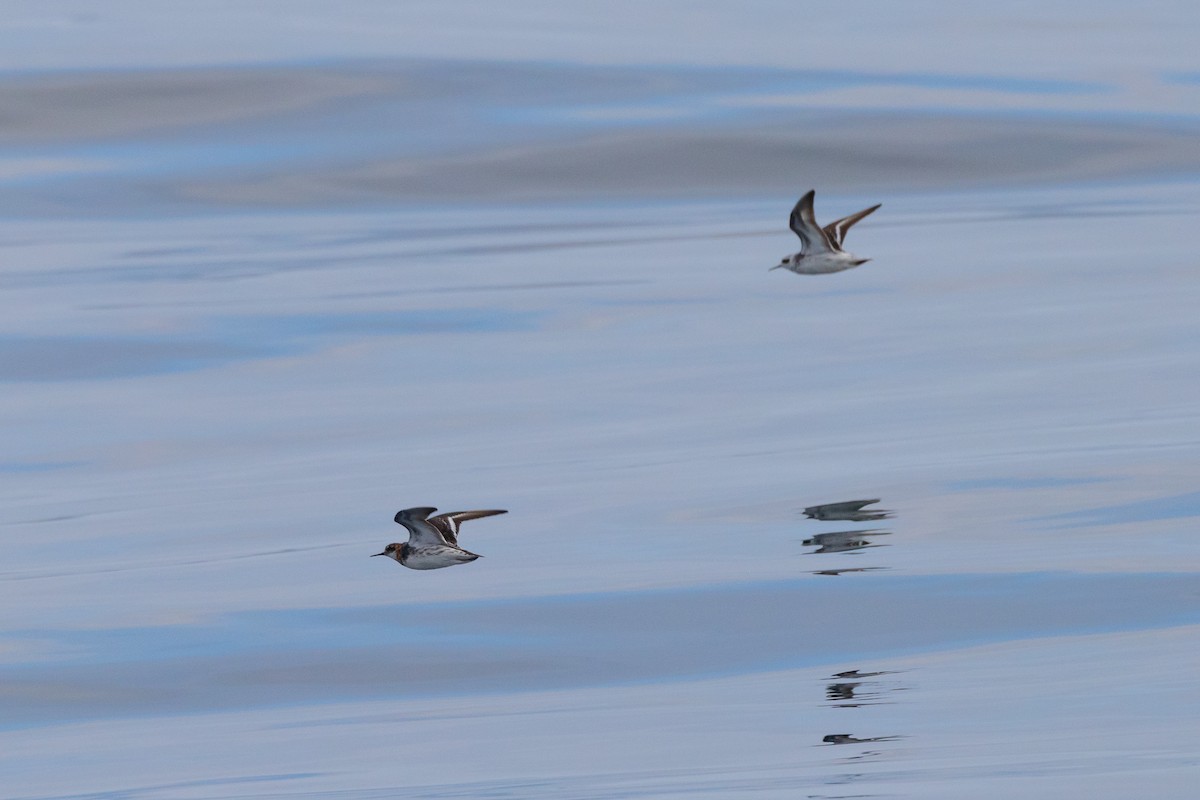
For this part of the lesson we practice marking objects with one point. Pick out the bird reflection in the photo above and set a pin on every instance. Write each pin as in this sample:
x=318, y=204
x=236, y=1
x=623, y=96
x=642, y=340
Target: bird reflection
x=841, y=691
x=851, y=689
x=850, y=694
x=845, y=738
x=848, y=510
x=846, y=541
x=843, y=541
x=848, y=569
x=853, y=673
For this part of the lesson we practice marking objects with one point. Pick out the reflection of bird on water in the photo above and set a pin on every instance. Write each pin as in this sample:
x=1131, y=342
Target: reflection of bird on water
x=843, y=541
x=822, y=251
x=836, y=572
x=850, y=694
x=853, y=673
x=845, y=738
x=852, y=689
x=850, y=510
x=841, y=691
x=432, y=541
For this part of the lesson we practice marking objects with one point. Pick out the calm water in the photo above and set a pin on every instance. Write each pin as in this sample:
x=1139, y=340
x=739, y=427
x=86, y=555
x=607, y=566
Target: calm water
x=269, y=275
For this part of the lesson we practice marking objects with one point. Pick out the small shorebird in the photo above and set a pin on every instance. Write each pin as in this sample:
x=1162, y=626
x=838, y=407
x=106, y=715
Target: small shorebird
x=822, y=252
x=432, y=541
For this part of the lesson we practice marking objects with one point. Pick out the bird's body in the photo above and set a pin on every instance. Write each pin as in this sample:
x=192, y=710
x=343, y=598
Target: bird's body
x=432, y=541
x=433, y=556
x=822, y=252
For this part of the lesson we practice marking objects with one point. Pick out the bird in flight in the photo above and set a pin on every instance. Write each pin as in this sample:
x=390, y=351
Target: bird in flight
x=432, y=541
x=822, y=247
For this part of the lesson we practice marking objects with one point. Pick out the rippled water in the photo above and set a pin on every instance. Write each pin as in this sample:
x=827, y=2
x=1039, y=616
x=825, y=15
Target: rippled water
x=270, y=274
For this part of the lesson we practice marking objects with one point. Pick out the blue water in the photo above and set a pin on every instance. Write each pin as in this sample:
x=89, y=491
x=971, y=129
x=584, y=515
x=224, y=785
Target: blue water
x=269, y=274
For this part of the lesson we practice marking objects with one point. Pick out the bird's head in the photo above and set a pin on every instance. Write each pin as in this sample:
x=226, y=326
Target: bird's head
x=786, y=262
x=391, y=551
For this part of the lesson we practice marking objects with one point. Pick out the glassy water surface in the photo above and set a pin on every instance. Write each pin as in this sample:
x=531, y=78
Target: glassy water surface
x=271, y=278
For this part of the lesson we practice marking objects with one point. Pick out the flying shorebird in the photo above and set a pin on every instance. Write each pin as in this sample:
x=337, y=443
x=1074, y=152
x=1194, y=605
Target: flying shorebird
x=432, y=541
x=822, y=251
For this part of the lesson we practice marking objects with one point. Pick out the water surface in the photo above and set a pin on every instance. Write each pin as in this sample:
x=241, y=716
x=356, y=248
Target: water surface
x=273, y=277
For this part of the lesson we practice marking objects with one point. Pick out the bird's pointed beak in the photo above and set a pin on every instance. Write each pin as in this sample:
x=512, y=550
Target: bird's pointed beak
x=777, y=266
x=378, y=554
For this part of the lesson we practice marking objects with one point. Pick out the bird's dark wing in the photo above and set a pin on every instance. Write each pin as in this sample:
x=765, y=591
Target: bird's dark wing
x=804, y=224
x=447, y=524
x=836, y=231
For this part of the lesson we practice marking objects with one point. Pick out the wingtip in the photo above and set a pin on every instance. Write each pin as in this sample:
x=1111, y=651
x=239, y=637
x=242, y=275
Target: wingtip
x=479, y=513
x=418, y=511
